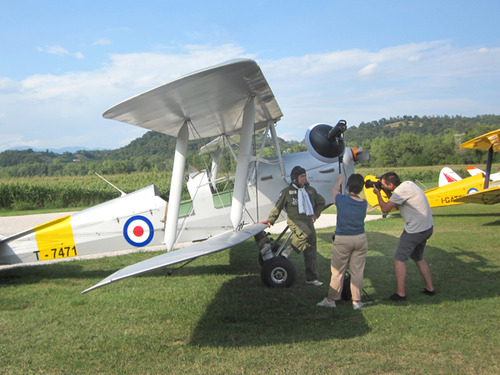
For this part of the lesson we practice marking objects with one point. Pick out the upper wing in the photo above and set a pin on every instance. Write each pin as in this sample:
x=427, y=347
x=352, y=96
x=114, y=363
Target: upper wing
x=211, y=99
x=488, y=196
x=485, y=141
x=214, y=244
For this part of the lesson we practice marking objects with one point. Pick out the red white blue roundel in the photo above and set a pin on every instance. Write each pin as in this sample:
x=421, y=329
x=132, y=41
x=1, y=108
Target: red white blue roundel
x=138, y=231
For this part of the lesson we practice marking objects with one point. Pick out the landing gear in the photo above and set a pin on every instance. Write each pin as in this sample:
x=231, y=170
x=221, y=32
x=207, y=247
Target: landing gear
x=277, y=271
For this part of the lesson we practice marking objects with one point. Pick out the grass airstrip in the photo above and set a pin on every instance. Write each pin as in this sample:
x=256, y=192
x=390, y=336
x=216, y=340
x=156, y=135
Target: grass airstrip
x=214, y=316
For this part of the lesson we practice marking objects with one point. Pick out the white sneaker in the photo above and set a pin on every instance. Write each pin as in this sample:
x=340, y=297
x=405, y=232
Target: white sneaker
x=325, y=303
x=314, y=282
x=358, y=305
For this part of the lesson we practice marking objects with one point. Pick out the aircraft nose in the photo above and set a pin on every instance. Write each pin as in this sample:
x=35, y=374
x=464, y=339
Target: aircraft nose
x=360, y=155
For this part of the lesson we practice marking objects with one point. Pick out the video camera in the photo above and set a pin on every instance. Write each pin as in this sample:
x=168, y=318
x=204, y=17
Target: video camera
x=371, y=184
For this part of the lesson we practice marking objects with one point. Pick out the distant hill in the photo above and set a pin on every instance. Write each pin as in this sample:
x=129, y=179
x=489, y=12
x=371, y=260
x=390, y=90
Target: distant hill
x=72, y=150
x=421, y=126
x=399, y=141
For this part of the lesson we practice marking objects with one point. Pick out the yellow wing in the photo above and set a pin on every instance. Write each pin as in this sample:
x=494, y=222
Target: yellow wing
x=488, y=196
x=485, y=141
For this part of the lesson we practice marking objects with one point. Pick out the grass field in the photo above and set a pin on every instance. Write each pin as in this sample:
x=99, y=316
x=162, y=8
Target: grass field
x=215, y=317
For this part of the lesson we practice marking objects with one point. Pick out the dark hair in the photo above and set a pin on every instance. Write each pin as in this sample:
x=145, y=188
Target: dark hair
x=296, y=172
x=392, y=178
x=355, y=183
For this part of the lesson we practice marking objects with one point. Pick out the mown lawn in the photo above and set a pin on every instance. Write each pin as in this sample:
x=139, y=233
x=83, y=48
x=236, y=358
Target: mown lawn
x=215, y=317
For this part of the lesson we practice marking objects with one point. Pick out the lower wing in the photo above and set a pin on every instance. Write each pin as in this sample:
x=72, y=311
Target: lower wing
x=488, y=196
x=212, y=245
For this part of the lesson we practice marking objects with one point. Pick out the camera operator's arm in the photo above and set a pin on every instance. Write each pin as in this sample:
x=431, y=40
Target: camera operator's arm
x=385, y=206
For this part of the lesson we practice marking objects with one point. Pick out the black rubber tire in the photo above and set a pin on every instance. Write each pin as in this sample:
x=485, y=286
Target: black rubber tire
x=278, y=272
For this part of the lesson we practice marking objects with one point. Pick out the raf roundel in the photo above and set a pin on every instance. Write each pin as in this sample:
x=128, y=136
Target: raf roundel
x=138, y=231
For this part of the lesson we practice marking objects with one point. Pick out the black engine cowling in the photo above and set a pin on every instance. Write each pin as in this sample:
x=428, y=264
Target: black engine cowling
x=326, y=142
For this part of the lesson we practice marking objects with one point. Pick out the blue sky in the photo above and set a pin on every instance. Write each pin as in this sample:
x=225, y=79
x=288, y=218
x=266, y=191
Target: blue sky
x=64, y=63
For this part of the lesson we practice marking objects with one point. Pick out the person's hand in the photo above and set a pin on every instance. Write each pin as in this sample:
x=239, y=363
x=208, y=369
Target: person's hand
x=339, y=179
x=265, y=222
x=314, y=218
x=376, y=191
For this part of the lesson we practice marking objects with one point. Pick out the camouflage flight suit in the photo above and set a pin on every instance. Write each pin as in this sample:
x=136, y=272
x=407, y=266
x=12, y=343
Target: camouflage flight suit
x=302, y=226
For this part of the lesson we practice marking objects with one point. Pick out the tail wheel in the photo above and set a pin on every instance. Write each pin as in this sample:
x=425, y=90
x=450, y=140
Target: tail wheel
x=278, y=272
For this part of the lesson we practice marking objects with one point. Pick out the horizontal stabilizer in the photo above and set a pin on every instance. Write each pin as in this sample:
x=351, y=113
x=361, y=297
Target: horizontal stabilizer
x=219, y=143
x=16, y=236
x=474, y=170
x=212, y=245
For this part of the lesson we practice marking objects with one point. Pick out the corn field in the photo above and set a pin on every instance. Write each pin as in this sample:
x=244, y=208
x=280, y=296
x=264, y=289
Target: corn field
x=31, y=193
x=72, y=191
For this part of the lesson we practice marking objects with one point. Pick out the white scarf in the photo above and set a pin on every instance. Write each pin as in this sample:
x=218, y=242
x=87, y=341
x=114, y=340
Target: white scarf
x=305, y=205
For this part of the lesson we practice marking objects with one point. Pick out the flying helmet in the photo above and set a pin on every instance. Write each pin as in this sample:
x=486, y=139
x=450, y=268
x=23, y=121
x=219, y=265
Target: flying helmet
x=295, y=173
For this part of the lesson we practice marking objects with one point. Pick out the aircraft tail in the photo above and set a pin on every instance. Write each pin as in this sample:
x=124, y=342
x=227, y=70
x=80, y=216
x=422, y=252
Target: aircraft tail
x=447, y=176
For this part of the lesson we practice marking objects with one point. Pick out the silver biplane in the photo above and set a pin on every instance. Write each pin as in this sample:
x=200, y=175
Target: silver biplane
x=231, y=105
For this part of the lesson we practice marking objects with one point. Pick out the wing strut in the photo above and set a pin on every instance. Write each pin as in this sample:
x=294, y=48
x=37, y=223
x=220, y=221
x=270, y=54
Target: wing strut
x=488, y=168
x=277, y=150
x=174, y=200
x=244, y=154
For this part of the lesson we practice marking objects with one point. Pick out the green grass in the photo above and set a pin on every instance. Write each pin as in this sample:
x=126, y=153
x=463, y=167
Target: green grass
x=215, y=317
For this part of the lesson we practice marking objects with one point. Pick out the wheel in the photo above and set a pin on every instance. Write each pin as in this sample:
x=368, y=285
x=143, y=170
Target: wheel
x=278, y=272
x=261, y=260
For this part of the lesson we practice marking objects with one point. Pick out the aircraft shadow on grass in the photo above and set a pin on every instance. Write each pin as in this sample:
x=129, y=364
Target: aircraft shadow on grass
x=25, y=275
x=473, y=215
x=248, y=316
x=239, y=310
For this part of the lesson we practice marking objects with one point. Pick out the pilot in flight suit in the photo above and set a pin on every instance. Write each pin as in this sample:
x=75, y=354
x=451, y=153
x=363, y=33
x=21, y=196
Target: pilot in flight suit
x=303, y=206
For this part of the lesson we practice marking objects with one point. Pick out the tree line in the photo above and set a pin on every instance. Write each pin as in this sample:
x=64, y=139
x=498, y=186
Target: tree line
x=422, y=141
x=394, y=142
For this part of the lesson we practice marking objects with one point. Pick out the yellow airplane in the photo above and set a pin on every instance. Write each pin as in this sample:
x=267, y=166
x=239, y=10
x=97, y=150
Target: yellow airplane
x=479, y=188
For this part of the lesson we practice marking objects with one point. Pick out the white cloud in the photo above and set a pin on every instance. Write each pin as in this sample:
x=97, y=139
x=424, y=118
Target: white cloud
x=8, y=85
x=54, y=50
x=102, y=42
x=60, y=51
x=431, y=78
x=368, y=70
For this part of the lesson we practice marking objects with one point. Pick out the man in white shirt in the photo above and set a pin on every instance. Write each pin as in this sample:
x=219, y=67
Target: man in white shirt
x=414, y=207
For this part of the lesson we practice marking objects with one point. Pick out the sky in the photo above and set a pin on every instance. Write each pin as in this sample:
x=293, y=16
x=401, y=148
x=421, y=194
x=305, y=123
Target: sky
x=64, y=63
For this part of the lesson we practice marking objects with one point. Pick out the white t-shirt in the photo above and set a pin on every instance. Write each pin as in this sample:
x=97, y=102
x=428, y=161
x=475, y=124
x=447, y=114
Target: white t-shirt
x=413, y=206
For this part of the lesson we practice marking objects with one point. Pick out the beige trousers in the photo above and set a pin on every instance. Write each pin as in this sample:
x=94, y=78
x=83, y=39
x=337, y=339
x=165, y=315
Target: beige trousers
x=348, y=250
